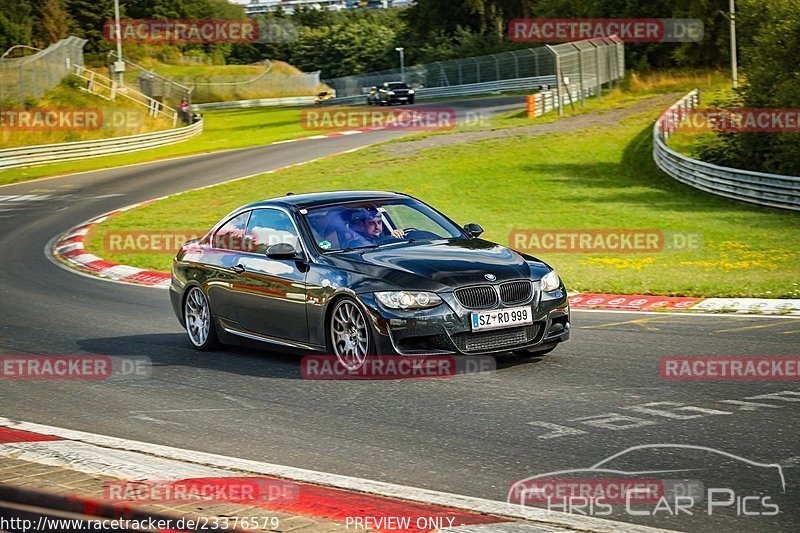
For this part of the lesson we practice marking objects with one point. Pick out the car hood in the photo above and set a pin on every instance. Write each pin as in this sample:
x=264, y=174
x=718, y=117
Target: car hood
x=441, y=265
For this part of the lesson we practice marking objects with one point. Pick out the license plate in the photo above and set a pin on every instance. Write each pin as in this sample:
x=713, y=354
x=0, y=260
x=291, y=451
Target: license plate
x=403, y=98
x=501, y=318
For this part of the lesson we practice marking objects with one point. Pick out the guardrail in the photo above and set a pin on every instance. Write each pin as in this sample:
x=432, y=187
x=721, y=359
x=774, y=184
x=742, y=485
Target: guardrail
x=57, y=153
x=771, y=190
x=470, y=89
x=259, y=102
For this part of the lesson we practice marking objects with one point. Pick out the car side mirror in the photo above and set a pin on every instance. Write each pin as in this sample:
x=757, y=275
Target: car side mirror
x=281, y=250
x=473, y=230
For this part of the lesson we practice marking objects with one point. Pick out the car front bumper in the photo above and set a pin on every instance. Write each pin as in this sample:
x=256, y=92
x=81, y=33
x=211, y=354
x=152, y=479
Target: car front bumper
x=446, y=329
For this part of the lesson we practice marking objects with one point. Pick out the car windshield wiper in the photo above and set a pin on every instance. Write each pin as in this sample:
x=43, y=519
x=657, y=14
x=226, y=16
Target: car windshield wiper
x=356, y=249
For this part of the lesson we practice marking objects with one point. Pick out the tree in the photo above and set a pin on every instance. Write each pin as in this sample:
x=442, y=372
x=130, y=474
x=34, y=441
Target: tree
x=16, y=23
x=88, y=18
x=768, y=53
x=53, y=22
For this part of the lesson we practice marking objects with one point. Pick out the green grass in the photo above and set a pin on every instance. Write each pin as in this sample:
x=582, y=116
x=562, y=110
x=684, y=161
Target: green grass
x=603, y=178
x=224, y=129
x=68, y=96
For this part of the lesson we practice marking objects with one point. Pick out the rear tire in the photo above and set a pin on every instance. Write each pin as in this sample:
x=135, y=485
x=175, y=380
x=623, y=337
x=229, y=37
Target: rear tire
x=199, y=322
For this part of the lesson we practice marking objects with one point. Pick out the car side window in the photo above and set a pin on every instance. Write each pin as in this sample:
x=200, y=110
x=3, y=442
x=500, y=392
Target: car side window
x=231, y=234
x=268, y=227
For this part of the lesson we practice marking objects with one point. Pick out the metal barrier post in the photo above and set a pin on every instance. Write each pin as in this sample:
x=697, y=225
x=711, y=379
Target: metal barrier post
x=557, y=60
x=580, y=71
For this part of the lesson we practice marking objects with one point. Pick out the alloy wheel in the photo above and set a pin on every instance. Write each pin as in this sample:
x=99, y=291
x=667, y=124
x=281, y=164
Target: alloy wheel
x=349, y=335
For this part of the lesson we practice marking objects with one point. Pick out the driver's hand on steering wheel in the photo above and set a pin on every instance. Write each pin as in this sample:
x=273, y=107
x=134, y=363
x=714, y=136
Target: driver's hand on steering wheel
x=398, y=233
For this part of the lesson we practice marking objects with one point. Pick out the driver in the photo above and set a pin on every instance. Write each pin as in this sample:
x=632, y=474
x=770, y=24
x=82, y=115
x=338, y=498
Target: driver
x=368, y=227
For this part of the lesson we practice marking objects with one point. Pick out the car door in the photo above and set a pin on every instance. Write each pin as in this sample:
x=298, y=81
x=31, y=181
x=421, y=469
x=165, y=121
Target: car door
x=222, y=254
x=271, y=293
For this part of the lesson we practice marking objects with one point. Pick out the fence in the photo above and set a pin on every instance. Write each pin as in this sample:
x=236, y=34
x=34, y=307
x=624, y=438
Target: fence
x=586, y=65
x=57, y=153
x=155, y=86
x=34, y=75
x=772, y=190
x=267, y=84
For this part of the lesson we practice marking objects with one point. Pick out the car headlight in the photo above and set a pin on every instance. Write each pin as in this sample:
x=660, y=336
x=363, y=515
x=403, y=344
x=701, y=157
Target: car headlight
x=550, y=281
x=390, y=93
x=408, y=299
x=411, y=91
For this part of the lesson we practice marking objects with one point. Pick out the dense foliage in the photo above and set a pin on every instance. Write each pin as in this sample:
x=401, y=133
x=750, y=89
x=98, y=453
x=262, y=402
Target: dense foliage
x=772, y=80
x=357, y=41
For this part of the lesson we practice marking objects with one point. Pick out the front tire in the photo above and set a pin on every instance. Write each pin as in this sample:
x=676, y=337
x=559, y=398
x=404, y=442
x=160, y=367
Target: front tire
x=199, y=321
x=349, y=334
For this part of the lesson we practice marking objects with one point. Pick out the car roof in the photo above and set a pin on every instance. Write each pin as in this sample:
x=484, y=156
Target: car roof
x=318, y=199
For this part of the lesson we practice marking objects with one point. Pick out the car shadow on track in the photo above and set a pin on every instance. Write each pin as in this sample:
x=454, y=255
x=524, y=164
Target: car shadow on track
x=172, y=349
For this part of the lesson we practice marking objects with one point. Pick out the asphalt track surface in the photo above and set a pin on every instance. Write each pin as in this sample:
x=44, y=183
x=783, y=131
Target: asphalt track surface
x=471, y=434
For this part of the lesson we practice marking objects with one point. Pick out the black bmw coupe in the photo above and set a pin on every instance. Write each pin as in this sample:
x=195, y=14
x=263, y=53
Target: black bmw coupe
x=361, y=273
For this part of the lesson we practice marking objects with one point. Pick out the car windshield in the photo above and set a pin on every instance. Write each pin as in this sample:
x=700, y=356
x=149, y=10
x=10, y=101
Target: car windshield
x=358, y=225
x=396, y=85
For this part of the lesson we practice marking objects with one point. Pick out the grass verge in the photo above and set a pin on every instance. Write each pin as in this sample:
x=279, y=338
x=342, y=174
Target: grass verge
x=598, y=178
x=224, y=129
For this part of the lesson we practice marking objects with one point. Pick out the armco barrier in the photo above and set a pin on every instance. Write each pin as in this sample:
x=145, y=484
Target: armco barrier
x=522, y=84
x=771, y=190
x=56, y=153
x=259, y=102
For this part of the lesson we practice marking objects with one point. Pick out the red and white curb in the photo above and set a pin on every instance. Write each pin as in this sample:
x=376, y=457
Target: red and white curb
x=650, y=303
x=319, y=494
x=70, y=250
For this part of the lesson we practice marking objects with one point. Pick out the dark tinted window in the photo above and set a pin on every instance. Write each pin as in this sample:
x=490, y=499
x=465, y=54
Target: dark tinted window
x=230, y=236
x=397, y=85
x=344, y=226
x=268, y=227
